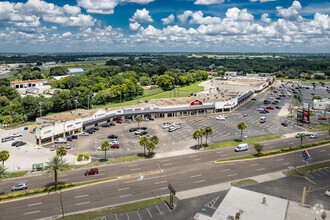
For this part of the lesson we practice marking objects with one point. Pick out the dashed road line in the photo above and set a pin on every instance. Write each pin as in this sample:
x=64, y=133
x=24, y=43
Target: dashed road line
x=39, y=203
x=29, y=213
x=261, y=169
x=125, y=195
x=280, y=159
x=234, y=174
x=123, y=189
x=196, y=175
x=81, y=196
x=135, y=169
x=200, y=181
x=197, y=159
x=225, y=170
x=161, y=182
x=83, y=203
x=256, y=164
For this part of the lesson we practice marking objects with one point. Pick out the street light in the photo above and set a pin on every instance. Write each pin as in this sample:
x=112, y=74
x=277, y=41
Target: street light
x=160, y=180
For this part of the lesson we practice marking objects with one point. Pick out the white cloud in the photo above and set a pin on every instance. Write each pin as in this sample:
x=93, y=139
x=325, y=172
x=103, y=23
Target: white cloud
x=208, y=2
x=237, y=14
x=72, y=9
x=183, y=17
x=289, y=13
x=141, y=16
x=134, y=26
x=265, y=18
x=67, y=34
x=105, y=6
x=197, y=18
x=262, y=1
x=168, y=20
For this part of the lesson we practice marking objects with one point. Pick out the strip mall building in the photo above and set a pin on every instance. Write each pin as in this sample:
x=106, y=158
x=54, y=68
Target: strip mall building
x=222, y=96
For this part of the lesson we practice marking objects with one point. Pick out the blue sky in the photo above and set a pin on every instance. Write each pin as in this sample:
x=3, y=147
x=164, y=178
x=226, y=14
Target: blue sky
x=165, y=26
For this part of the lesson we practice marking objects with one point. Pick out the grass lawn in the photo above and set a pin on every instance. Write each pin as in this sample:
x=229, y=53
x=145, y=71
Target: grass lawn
x=184, y=91
x=17, y=174
x=249, y=140
x=300, y=170
x=87, y=65
x=322, y=127
x=244, y=183
x=118, y=209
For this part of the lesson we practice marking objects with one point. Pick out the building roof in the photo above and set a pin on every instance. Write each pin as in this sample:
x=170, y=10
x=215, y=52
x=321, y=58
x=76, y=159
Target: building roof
x=68, y=115
x=59, y=77
x=320, y=74
x=29, y=81
x=75, y=70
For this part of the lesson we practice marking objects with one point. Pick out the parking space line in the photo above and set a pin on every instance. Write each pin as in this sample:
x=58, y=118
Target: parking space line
x=310, y=176
x=159, y=210
x=314, y=172
x=310, y=180
x=261, y=169
x=139, y=215
x=323, y=172
x=149, y=213
x=196, y=176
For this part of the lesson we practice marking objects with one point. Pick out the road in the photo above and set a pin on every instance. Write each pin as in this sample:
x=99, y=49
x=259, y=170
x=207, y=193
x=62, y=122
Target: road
x=183, y=172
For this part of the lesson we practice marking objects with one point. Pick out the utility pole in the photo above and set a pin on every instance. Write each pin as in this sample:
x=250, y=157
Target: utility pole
x=160, y=180
x=88, y=102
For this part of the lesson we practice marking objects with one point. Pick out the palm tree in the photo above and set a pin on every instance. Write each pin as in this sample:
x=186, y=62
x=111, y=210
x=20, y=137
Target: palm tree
x=241, y=126
x=202, y=134
x=271, y=90
x=61, y=151
x=155, y=140
x=4, y=155
x=196, y=135
x=144, y=141
x=55, y=166
x=301, y=137
x=3, y=173
x=105, y=146
x=151, y=146
x=208, y=130
x=138, y=119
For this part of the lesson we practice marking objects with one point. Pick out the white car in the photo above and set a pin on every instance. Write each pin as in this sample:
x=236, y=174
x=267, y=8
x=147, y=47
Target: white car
x=84, y=134
x=166, y=125
x=313, y=136
x=172, y=128
x=14, y=135
x=221, y=118
x=61, y=141
x=114, y=141
x=327, y=192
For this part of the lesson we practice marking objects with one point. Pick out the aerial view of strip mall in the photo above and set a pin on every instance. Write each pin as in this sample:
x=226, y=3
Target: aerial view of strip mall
x=164, y=110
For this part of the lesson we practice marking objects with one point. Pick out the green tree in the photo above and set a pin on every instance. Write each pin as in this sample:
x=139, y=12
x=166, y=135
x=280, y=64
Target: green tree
x=4, y=101
x=7, y=120
x=61, y=151
x=154, y=139
x=154, y=79
x=138, y=119
x=271, y=90
x=203, y=134
x=55, y=166
x=298, y=98
x=197, y=135
x=208, y=130
x=105, y=146
x=58, y=71
x=165, y=82
x=145, y=80
x=317, y=98
x=241, y=126
x=144, y=141
x=150, y=147
x=258, y=147
x=3, y=173
x=4, y=155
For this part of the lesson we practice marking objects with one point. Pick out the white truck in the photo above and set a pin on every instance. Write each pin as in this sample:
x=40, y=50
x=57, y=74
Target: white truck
x=241, y=147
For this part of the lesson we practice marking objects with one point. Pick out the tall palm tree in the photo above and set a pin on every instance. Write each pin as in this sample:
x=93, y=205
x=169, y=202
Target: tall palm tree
x=208, y=130
x=3, y=173
x=202, y=134
x=271, y=90
x=154, y=139
x=61, y=151
x=144, y=141
x=105, y=146
x=55, y=166
x=196, y=135
x=151, y=146
x=241, y=126
x=4, y=155
x=138, y=119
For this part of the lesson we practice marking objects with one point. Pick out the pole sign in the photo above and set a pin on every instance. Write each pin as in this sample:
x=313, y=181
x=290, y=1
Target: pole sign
x=299, y=115
x=172, y=190
x=305, y=112
x=305, y=155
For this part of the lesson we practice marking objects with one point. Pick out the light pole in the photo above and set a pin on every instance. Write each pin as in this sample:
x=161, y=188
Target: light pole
x=160, y=180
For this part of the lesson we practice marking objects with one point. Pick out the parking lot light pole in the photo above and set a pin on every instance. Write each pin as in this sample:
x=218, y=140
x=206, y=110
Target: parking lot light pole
x=160, y=180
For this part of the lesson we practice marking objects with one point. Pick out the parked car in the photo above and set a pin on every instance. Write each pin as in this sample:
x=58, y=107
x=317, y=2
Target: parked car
x=269, y=107
x=119, y=121
x=263, y=112
x=19, y=186
x=143, y=128
x=19, y=143
x=143, y=133
x=278, y=98
x=105, y=125
x=90, y=131
x=5, y=139
x=92, y=171
x=274, y=103
x=52, y=148
x=166, y=125
x=68, y=146
x=127, y=121
x=114, y=141
x=284, y=124
x=220, y=118
x=322, y=118
x=113, y=136
x=115, y=146
x=145, y=119
x=14, y=135
x=245, y=115
x=74, y=136
x=112, y=124
x=298, y=135
x=172, y=128
x=254, y=99
x=132, y=129
x=151, y=119
x=241, y=147
x=94, y=129
x=84, y=134
x=68, y=138
x=313, y=136
x=61, y=141
x=277, y=107
x=327, y=192
x=138, y=132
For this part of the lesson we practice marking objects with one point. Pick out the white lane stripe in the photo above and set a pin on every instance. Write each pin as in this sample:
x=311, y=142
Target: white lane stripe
x=200, y=181
x=196, y=176
x=166, y=164
x=225, y=170
x=234, y=174
x=280, y=159
x=125, y=195
x=256, y=164
x=81, y=196
x=197, y=159
x=193, y=156
x=161, y=182
x=133, y=165
x=83, y=203
x=64, y=180
x=123, y=189
x=261, y=168
x=286, y=163
x=131, y=181
x=322, y=150
x=135, y=169
x=28, y=213
x=39, y=203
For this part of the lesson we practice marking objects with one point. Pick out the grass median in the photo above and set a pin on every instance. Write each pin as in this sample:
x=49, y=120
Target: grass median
x=277, y=151
x=301, y=170
x=244, y=183
x=98, y=214
x=247, y=141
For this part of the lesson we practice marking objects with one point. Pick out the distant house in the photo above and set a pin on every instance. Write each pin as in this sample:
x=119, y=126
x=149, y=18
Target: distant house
x=303, y=74
x=28, y=83
x=212, y=73
x=72, y=71
x=230, y=73
x=321, y=104
x=58, y=77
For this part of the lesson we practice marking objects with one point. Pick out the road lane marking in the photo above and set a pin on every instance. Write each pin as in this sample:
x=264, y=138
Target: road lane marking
x=76, y=197
x=39, y=203
x=234, y=174
x=196, y=176
x=133, y=165
x=125, y=195
x=135, y=169
x=310, y=181
x=225, y=170
x=200, y=181
x=193, y=156
x=131, y=181
x=83, y=203
x=164, y=188
x=280, y=159
x=197, y=159
x=28, y=213
x=286, y=164
x=261, y=169
x=63, y=180
x=256, y=164
x=161, y=182
x=123, y=189
x=165, y=164
x=322, y=150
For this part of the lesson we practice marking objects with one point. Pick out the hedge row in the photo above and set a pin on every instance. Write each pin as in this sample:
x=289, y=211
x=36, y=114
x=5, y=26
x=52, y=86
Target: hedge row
x=35, y=191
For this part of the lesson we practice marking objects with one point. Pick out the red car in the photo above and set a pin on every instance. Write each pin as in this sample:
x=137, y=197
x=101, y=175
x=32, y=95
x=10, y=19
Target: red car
x=115, y=146
x=119, y=121
x=92, y=171
x=269, y=107
x=322, y=118
x=278, y=97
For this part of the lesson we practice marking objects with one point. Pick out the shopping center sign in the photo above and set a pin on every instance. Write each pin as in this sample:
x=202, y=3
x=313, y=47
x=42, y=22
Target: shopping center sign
x=196, y=102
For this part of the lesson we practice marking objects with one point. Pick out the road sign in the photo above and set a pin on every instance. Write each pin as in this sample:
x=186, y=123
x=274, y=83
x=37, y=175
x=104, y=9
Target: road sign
x=305, y=155
x=172, y=190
